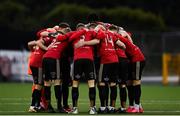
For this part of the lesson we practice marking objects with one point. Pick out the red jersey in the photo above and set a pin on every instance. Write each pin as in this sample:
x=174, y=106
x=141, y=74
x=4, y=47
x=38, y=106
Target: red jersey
x=37, y=54
x=56, y=48
x=107, y=50
x=132, y=50
x=120, y=52
x=84, y=52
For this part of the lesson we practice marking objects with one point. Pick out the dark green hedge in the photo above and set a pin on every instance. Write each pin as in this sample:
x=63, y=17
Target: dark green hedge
x=20, y=17
x=135, y=19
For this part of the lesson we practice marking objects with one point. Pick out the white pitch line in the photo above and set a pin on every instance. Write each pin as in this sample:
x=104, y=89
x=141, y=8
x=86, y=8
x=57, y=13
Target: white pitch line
x=159, y=111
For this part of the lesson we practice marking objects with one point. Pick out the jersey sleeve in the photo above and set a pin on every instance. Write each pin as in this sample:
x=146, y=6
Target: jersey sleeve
x=62, y=37
x=100, y=35
x=115, y=37
x=77, y=34
x=124, y=40
x=94, y=34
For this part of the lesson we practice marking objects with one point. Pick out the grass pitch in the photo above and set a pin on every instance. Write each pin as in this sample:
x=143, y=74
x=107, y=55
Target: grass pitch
x=15, y=99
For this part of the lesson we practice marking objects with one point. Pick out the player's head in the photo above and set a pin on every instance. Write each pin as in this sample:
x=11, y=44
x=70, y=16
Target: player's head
x=91, y=25
x=113, y=28
x=63, y=25
x=122, y=32
x=80, y=26
x=56, y=27
x=100, y=26
x=66, y=30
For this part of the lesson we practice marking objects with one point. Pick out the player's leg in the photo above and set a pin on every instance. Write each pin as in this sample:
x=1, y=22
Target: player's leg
x=90, y=75
x=130, y=89
x=137, y=71
x=102, y=89
x=123, y=75
x=36, y=94
x=113, y=74
x=47, y=76
x=75, y=96
x=43, y=100
x=107, y=93
x=75, y=84
x=57, y=85
x=65, y=71
x=39, y=87
x=123, y=97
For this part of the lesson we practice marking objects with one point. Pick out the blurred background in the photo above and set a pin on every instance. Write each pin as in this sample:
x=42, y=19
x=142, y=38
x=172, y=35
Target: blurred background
x=154, y=24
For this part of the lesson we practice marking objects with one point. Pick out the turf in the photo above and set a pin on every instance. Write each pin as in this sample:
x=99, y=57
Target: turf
x=156, y=99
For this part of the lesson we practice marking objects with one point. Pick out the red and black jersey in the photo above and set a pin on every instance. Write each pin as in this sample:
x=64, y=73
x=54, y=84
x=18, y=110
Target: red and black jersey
x=132, y=50
x=55, y=50
x=107, y=50
x=120, y=52
x=57, y=47
x=84, y=52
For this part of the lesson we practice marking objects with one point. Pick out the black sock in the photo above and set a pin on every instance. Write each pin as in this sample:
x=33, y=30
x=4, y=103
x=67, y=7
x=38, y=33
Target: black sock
x=102, y=95
x=131, y=95
x=38, y=97
x=47, y=94
x=107, y=94
x=58, y=95
x=123, y=95
x=65, y=92
x=75, y=96
x=137, y=93
x=113, y=95
x=33, y=99
x=92, y=95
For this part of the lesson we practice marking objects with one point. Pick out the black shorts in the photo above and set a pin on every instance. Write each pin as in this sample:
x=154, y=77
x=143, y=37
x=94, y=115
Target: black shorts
x=122, y=70
x=51, y=69
x=135, y=70
x=108, y=73
x=84, y=66
x=37, y=75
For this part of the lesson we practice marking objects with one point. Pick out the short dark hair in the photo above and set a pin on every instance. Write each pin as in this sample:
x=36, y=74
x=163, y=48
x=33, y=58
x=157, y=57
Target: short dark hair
x=91, y=25
x=64, y=25
x=80, y=25
x=113, y=27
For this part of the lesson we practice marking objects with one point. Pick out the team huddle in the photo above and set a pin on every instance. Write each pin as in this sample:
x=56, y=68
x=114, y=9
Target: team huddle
x=102, y=53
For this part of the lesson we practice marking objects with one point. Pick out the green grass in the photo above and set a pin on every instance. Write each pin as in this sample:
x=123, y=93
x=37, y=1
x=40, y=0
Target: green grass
x=15, y=98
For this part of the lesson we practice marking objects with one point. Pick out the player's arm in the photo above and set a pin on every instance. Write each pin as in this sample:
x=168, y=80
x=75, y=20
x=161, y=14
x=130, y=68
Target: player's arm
x=31, y=44
x=44, y=33
x=126, y=35
x=61, y=37
x=76, y=35
x=120, y=44
x=81, y=43
x=40, y=43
